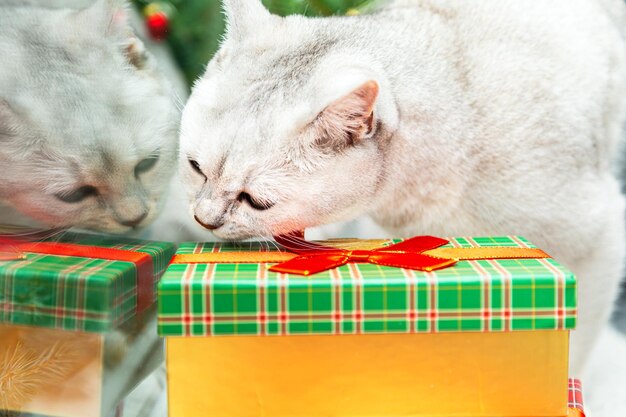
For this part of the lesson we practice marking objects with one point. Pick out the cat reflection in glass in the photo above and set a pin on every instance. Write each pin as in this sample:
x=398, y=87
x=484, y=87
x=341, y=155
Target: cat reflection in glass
x=88, y=127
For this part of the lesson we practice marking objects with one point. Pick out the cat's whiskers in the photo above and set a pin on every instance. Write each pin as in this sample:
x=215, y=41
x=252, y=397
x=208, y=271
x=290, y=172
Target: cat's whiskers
x=271, y=243
x=178, y=101
x=35, y=236
x=38, y=233
x=305, y=244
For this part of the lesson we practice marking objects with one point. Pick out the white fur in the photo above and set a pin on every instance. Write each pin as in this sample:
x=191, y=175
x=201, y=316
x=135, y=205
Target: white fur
x=81, y=103
x=604, y=382
x=495, y=117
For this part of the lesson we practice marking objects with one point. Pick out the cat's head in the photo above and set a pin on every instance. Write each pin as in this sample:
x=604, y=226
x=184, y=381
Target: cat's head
x=287, y=129
x=87, y=125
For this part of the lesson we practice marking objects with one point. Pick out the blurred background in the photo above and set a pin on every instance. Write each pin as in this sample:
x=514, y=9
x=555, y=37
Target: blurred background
x=192, y=28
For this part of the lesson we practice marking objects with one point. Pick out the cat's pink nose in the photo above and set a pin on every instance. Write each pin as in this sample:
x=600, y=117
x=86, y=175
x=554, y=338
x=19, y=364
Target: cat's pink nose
x=207, y=225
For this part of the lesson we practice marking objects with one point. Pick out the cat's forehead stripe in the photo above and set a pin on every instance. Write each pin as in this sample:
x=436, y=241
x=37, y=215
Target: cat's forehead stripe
x=220, y=166
x=107, y=160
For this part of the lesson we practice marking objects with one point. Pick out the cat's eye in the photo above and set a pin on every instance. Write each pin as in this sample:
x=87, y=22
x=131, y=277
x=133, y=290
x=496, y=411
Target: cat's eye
x=78, y=194
x=146, y=165
x=196, y=167
x=255, y=204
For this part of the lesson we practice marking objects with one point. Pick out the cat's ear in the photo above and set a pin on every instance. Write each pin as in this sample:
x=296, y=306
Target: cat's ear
x=243, y=17
x=136, y=53
x=108, y=17
x=348, y=119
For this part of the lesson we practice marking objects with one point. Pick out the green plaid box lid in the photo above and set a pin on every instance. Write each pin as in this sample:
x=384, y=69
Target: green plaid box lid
x=79, y=293
x=483, y=295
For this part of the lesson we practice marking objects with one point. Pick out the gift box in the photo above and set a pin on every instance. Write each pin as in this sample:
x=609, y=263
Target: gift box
x=77, y=319
x=421, y=327
x=575, y=399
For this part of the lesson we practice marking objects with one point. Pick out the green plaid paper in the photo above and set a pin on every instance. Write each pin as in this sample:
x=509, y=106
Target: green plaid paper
x=74, y=293
x=247, y=299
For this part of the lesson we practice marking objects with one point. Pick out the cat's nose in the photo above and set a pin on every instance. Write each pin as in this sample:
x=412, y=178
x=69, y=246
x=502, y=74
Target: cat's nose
x=210, y=226
x=134, y=222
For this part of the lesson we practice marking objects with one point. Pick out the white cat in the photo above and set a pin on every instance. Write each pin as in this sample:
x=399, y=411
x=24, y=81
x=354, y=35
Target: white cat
x=87, y=125
x=436, y=117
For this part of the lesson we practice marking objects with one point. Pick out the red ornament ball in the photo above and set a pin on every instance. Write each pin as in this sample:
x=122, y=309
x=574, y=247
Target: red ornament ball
x=158, y=25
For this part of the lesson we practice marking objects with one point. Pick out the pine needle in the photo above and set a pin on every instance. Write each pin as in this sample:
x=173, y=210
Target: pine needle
x=24, y=371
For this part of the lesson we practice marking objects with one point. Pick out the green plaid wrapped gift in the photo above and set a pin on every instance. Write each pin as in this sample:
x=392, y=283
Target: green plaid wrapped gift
x=493, y=295
x=71, y=283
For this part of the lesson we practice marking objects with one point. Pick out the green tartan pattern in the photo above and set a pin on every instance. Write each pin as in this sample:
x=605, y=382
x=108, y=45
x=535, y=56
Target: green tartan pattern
x=484, y=295
x=74, y=293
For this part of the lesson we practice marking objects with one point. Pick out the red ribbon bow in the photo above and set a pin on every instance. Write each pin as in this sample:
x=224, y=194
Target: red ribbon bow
x=316, y=258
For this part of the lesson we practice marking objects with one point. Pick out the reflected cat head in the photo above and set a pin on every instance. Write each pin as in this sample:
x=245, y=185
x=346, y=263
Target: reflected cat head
x=87, y=125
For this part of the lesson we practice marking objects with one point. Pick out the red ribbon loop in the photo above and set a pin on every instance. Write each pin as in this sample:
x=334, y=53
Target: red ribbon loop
x=315, y=257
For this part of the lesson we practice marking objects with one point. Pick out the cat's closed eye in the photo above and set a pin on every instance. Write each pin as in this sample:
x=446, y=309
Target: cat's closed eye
x=254, y=203
x=78, y=194
x=196, y=167
x=146, y=165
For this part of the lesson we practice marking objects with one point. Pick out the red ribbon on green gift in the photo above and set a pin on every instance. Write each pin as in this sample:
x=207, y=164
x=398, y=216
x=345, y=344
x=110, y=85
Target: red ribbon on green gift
x=14, y=248
x=422, y=253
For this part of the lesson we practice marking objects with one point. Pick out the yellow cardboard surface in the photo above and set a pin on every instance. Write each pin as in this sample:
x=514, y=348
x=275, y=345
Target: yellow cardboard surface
x=49, y=371
x=515, y=374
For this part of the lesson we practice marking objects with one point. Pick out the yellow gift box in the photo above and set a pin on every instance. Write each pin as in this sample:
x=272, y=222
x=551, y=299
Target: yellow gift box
x=482, y=338
x=492, y=374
